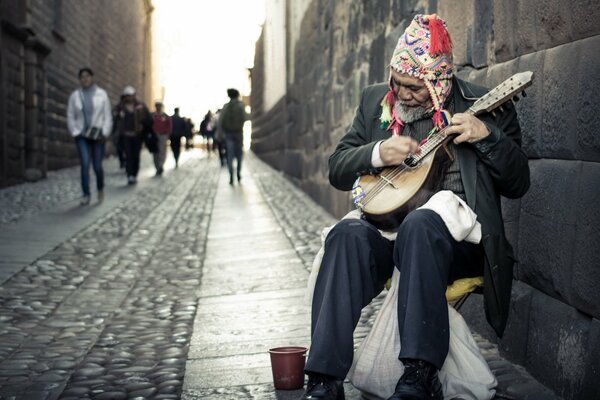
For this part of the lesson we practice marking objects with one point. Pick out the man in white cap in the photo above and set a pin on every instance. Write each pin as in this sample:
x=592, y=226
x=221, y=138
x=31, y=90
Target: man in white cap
x=391, y=122
x=132, y=119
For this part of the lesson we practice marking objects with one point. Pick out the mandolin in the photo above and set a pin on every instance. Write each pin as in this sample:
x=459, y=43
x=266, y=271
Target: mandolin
x=385, y=198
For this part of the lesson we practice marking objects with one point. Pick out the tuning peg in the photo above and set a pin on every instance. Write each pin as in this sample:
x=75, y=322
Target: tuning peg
x=523, y=94
x=494, y=114
x=501, y=108
x=516, y=98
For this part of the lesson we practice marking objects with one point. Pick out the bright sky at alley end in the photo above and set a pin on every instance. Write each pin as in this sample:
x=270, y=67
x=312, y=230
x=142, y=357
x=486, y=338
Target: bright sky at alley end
x=201, y=48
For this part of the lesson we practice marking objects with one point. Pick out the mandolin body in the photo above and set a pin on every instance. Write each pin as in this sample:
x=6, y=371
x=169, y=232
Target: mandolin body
x=410, y=188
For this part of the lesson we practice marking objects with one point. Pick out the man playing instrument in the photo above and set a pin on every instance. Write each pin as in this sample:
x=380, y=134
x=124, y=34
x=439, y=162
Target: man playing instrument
x=485, y=162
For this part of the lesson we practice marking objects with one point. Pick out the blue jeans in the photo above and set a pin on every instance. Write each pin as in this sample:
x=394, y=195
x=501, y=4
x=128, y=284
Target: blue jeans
x=94, y=151
x=234, y=144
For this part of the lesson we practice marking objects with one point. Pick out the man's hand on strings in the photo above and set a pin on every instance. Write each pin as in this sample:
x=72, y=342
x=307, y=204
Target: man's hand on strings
x=394, y=150
x=468, y=127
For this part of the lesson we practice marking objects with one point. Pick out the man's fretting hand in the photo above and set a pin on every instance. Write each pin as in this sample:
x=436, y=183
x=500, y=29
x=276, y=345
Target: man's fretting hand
x=394, y=150
x=469, y=128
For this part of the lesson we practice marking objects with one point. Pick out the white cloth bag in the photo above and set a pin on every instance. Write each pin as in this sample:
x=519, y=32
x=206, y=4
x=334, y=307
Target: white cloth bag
x=376, y=368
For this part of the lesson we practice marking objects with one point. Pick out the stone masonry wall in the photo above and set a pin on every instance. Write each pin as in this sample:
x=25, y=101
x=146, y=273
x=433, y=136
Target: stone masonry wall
x=43, y=45
x=554, y=327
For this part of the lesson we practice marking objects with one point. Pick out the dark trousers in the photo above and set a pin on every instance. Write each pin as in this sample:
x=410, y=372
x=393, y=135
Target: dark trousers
x=234, y=145
x=175, y=141
x=356, y=264
x=133, y=147
x=90, y=151
x=222, y=150
x=118, y=143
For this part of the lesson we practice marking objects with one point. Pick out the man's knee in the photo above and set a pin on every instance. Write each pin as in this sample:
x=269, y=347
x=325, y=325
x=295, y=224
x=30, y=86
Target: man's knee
x=350, y=229
x=420, y=221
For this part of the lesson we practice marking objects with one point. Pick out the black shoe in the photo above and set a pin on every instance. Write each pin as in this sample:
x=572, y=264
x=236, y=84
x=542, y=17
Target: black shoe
x=231, y=181
x=322, y=387
x=419, y=381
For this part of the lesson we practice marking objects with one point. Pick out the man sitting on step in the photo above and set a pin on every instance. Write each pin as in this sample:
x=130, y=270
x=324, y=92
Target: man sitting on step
x=485, y=162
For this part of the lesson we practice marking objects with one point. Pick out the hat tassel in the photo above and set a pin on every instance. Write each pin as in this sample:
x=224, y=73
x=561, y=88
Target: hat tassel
x=441, y=42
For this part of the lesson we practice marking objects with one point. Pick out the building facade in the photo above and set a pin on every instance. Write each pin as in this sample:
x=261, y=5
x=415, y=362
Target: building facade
x=332, y=49
x=43, y=44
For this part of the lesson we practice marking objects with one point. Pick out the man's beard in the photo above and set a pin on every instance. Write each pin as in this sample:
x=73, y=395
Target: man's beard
x=410, y=114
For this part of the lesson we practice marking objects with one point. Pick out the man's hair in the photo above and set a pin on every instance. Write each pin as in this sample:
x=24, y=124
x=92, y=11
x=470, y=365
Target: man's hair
x=85, y=69
x=176, y=110
x=233, y=93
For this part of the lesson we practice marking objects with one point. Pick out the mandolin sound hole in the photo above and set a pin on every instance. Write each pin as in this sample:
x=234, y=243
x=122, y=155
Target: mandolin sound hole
x=410, y=161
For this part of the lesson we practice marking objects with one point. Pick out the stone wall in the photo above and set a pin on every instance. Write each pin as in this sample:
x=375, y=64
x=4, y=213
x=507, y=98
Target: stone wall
x=43, y=44
x=554, y=327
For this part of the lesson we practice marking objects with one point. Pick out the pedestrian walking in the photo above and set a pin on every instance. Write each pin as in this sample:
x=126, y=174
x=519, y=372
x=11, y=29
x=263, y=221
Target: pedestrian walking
x=219, y=139
x=207, y=132
x=179, y=127
x=189, y=134
x=231, y=123
x=133, y=120
x=162, y=127
x=89, y=121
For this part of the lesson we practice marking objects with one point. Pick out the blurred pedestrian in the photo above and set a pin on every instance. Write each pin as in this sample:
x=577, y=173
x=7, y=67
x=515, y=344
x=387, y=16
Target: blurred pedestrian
x=207, y=131
x=133, y=119
x=231, y=122
x=162, y=126
x=116, y=137
x=189, y=133
x=179, y=128
x=89, y=121
x=219, y=139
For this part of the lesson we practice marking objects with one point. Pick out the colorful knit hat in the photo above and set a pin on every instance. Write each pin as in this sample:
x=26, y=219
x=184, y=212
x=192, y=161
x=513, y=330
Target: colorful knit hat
x=423, y=51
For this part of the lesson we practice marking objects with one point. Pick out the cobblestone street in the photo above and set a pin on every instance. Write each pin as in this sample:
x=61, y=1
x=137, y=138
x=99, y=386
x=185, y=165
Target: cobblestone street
x=175, y=288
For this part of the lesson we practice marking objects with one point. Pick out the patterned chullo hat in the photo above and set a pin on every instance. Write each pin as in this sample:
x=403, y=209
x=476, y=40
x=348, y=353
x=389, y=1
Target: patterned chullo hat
x=423, y=51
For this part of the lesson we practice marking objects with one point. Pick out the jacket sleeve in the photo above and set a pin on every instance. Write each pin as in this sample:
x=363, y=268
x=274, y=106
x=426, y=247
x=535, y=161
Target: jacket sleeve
x=71, y=115
x=107, y=117
x=352, y=156
x=501, y=152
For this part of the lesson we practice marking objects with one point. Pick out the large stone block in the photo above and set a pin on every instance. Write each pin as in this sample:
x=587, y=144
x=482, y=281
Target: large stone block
x=553, y=22
x=587, y=100
x=504, y=29
x=585, y=15
x=557, y=345
x=548, y=226
x=585, y=292
x=524, y=13
x=530, y=108
x=590, y=388
x=512, y=343
x=498, y=73
x=460, y=18
x=480, y=38
x=377, y=60
x=559, y=115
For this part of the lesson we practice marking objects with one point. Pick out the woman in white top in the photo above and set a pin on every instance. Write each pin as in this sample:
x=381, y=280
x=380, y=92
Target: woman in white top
x=89, y=107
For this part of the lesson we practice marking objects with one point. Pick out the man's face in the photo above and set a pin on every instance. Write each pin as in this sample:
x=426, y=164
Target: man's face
x=129, y=98
x=158, y=107
x=86, y=79
x=410, y=91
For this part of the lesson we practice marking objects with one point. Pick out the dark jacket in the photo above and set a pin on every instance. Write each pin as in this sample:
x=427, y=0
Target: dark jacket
x=180, y=126
x=493, y=167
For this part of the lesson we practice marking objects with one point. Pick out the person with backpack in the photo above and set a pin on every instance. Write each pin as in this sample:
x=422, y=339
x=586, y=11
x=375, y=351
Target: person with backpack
x=231, y=122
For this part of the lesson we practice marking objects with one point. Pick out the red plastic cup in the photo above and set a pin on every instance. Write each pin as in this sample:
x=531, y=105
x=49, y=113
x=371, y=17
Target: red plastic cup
x=287, y=364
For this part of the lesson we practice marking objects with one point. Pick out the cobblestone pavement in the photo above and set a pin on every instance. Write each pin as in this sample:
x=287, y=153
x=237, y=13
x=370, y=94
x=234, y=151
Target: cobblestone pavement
x=178, y=291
